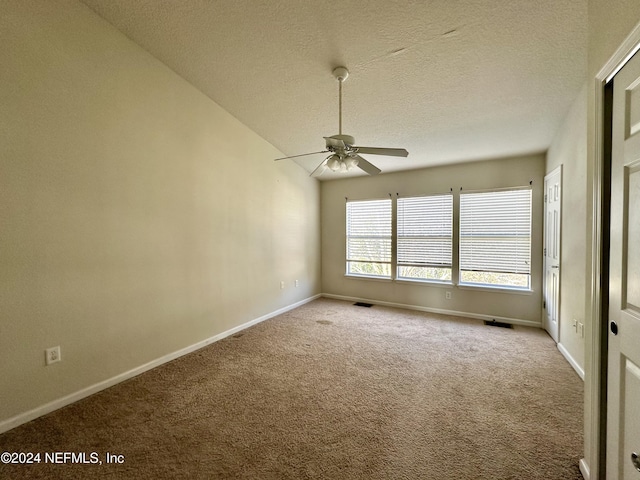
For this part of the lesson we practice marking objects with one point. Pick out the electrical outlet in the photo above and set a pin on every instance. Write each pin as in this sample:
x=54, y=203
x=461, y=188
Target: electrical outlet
x=282, y=285
x=52, y=355
x=297, y=283
x=447, y=295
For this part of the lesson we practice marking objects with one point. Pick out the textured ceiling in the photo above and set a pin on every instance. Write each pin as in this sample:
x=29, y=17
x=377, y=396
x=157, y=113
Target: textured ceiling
x=450, y=81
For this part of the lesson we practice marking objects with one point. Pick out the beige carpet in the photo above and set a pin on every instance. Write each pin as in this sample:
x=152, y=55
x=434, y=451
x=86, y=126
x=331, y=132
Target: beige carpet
x=335, y=391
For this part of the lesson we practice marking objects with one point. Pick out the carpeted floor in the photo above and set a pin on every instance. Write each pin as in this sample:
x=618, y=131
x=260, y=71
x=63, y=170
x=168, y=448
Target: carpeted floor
x=331, y=391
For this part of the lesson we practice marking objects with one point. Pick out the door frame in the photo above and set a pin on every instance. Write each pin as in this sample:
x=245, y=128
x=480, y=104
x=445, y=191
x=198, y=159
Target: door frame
x=593, y=465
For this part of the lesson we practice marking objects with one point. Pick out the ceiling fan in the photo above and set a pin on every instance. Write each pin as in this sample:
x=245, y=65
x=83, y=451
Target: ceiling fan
x=344, y=155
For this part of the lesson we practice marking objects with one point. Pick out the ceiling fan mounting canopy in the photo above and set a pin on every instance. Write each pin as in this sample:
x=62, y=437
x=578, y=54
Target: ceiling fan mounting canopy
x=341, y=73
x=345, y=155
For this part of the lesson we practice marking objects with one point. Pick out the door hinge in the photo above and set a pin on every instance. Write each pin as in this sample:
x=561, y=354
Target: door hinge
x=545, y=198
x=544, y=304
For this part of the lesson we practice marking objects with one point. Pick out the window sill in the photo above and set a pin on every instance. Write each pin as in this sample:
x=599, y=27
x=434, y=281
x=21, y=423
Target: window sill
x=444, y=284
x=489, y=288
x=431, y=283
x=364, y=277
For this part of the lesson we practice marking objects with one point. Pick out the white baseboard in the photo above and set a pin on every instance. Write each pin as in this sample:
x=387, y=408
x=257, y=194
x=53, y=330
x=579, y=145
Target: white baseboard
x=584, y=469
x=576, y=366
x=25, y=417
x=515, y=321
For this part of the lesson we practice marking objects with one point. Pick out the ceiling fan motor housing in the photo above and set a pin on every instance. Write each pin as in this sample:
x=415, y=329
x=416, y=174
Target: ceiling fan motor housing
x=344, y=157
x=341, y=145
x=347, y=139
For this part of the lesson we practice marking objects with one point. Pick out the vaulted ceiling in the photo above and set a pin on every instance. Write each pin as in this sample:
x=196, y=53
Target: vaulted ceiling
x=450, y=81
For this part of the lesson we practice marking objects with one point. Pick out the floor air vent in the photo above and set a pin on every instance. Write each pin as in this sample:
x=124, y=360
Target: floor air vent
x=493, y=323
x=362, y=304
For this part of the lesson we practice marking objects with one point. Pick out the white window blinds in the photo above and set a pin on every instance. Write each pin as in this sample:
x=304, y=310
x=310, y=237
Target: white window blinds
x=369, y=238
x=424, y=236
x=495, y=238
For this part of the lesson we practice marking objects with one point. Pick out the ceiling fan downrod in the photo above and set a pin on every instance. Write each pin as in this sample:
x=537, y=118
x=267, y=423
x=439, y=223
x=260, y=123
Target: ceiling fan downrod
x=341, y=74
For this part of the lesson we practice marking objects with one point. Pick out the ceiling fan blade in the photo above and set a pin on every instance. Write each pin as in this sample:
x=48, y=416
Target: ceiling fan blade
x=319, y=170
x=392, y=152
x=334, y=142
x=303, y=155
x=367, y=167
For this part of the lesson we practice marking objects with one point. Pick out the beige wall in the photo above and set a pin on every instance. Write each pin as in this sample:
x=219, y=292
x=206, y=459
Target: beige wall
x=469, y=176
x=610, y=23
x=137, y=217
x=569, y=149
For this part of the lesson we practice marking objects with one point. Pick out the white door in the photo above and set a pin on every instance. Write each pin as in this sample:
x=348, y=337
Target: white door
x=552, y=210
x=623, y=389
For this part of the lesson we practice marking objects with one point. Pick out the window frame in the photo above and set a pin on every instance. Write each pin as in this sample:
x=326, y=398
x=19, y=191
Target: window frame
x=348, y=236
x=418, y=223
x=518, y=230
x=456, y=245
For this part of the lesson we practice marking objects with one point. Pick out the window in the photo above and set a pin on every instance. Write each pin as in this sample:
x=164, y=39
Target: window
x=424, y=236
x=495, y=238
x=369, y=238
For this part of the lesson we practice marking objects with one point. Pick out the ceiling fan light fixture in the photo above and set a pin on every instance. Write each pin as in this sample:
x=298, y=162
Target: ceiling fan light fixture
x=351, y=163
x=334, y=163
